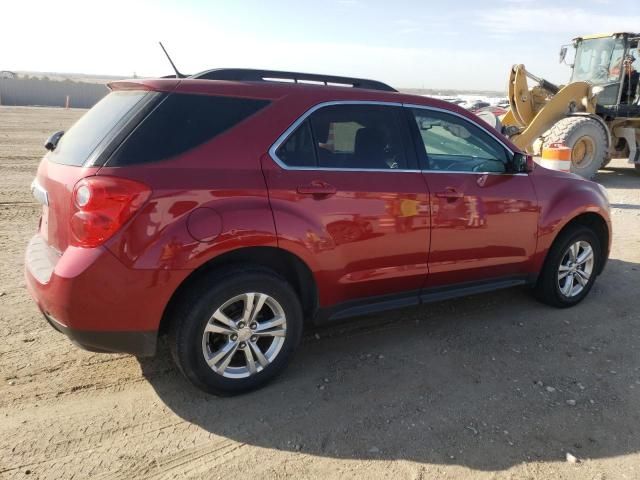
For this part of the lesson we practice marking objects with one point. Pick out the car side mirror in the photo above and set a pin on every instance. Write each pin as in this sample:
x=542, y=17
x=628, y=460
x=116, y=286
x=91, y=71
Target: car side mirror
x=522, y=163
x=563, y=53
x=52, y=141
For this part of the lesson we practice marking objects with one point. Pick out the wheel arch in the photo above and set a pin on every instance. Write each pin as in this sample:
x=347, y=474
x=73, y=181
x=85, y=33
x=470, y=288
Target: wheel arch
x=595, y=222
x=284, y=263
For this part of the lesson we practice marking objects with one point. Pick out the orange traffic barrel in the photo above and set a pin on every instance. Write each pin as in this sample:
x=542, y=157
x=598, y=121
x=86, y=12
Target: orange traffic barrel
x=556, y=156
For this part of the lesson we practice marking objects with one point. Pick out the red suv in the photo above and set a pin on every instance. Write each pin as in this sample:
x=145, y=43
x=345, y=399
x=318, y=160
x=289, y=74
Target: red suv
x=229, y=208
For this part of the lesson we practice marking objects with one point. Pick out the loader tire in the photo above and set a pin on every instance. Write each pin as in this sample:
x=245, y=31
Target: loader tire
x=587, y=140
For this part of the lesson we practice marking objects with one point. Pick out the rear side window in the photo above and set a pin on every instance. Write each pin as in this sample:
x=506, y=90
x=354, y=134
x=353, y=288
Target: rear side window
x=298, y=150
x=180, y=123
x=81, y=140
x=362, y=137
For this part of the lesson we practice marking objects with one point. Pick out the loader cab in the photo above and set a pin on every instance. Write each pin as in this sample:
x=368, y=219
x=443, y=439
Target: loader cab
x=611, y=63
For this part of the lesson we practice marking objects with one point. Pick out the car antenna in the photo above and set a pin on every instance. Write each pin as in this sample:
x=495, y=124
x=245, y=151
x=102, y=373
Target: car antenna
x=178, y=74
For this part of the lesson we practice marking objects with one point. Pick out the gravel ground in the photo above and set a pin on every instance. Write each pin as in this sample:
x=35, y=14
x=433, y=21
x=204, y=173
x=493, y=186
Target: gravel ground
x=492, y=386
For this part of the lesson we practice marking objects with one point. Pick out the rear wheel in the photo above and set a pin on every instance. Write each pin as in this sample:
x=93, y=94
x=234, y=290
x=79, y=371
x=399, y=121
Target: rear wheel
x=570, y=268
x=587, y=140
x=236, y=330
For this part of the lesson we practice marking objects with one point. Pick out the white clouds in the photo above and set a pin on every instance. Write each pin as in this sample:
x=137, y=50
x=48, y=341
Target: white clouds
x=452, y=47
x=121, y=39
x=555, y=20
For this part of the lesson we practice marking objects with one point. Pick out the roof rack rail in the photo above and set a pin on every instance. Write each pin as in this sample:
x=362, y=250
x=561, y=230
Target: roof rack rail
x=251, y=75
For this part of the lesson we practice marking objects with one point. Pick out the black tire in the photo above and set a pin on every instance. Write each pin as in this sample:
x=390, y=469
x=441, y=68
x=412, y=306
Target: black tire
x=195, y=309
x=570, y=130
x=548, y=289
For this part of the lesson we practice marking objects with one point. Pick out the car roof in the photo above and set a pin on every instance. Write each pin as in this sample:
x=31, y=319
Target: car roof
x=275, y=90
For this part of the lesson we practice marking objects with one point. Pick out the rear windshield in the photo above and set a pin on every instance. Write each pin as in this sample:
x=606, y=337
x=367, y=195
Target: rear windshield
x=180, y=123
x=76, y=145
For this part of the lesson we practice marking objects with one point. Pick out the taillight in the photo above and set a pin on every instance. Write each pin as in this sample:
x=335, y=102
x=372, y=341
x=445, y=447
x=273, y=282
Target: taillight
x=101, y=205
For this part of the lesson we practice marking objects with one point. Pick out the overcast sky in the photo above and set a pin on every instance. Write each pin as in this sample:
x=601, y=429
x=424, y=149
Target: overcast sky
x=462, y=44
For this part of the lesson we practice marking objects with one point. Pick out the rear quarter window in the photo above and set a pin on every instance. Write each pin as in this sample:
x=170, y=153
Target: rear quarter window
x=90, y=130
x=182, y=122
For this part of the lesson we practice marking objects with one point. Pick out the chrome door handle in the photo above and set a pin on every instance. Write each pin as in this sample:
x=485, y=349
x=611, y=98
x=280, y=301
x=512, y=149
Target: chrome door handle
x=450, y=193
x=317, y=187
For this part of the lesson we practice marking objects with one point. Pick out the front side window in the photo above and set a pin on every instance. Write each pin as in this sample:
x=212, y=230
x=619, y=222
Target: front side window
x=454, y=144
x=347, y=137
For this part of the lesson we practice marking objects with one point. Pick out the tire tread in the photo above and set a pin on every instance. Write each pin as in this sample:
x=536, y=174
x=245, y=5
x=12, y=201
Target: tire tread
x=185, y=311
x=565, y=127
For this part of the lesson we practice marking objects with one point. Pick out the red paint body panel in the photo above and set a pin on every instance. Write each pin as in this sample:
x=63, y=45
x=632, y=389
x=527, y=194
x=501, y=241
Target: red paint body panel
x=91, y=290
x=378, y=234
x=370, y=238
x=488, y=232
x=562, y=197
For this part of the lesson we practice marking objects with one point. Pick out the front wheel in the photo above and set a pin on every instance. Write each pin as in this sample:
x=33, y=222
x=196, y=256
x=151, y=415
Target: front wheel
x=236, y=330
x=570, y=269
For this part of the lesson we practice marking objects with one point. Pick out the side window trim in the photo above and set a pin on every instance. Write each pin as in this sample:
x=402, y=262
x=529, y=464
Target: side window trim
x=422, y=155
x=406, y=136
x=416, y=140
x=417, y=154
x=293, y=127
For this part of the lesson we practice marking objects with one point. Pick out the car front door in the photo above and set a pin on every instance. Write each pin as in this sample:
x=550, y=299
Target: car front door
x=349, y=199
x=484, y=216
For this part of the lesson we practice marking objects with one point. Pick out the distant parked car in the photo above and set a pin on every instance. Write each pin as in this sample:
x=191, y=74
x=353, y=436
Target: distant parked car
x=476, y=105
x=456, y=101
x=496, y=110
x=229, y=209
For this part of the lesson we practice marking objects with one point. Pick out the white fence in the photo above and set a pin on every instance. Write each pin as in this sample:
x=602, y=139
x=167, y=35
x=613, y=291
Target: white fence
x=51, y=93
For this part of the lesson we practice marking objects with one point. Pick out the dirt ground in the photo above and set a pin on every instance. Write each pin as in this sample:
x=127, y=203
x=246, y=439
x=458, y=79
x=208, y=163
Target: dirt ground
x=493, y=386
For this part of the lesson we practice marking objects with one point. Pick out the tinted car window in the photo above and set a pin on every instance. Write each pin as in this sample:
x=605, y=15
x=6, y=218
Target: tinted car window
x=358, y=136
x=297, y=150
x=455, y=144
x=180, y=123
x=76, y=145
x=347, y=136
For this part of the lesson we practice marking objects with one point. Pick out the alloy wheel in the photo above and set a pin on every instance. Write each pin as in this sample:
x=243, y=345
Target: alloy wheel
x=576, y=268
x=244, y=335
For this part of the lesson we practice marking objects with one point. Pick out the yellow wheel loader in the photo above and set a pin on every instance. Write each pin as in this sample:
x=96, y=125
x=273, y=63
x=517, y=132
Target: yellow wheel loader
x=597, y=114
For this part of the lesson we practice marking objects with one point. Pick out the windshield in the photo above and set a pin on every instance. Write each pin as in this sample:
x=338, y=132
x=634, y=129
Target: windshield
x=85, y=135
x=598, y=60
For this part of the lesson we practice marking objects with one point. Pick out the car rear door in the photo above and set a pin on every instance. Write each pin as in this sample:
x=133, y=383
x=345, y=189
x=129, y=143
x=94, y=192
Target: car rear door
x=349, y=199
x=484, y=217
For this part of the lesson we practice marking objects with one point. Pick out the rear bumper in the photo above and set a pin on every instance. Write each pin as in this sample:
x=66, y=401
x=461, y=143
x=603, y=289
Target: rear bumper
x=140, y=344
x=98, y=302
